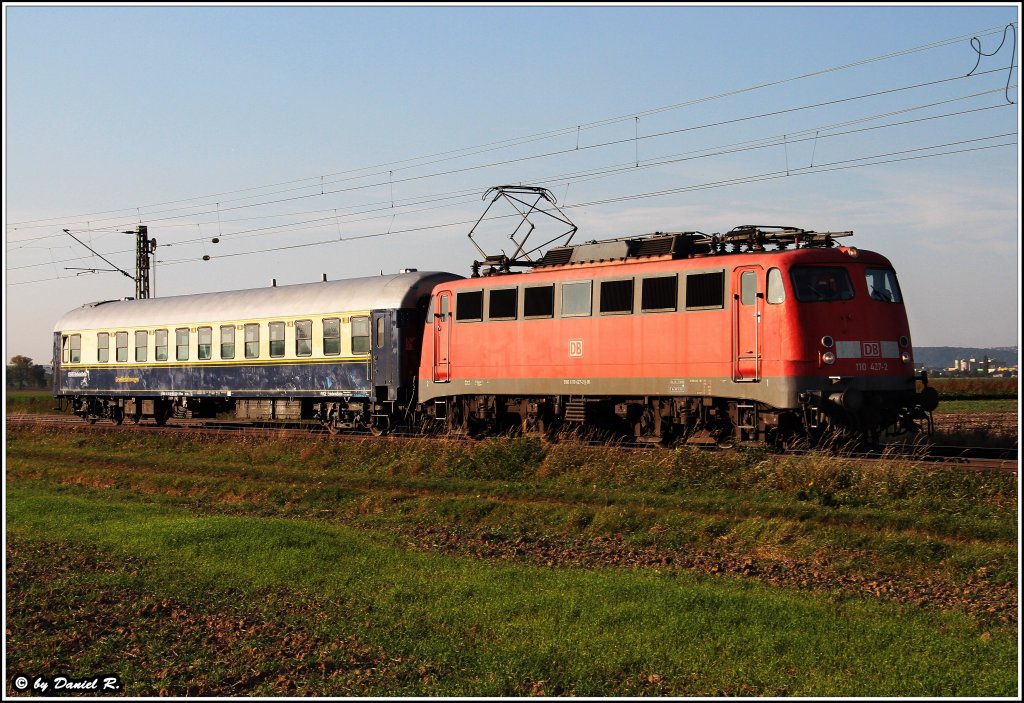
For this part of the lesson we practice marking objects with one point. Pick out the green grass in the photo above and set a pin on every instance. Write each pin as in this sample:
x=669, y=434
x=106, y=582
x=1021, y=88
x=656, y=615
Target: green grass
x=38, y=402
x=978, y=406
x=395, y=621
x=901, y=518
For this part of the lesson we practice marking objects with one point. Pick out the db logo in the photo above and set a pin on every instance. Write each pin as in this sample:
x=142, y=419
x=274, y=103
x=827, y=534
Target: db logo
x=575, y=347
x=872, y=349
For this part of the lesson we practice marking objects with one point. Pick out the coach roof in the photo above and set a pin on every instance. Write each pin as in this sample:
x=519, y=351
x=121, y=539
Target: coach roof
x=402, y=290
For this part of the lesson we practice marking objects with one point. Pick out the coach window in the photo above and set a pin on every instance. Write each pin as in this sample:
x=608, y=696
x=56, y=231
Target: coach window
x=776, y=291
x=538, y=302
x=576, y=299
x=160, y=344
x=502, y=302
x=469, y=306
x=252, y=341
x=360, y=335
x=303, y=338
x=705, y=290
x=617, y=297
x=181, y=343
x=205, y=343
x=65, y=349
x=227, y=342
x=276, y=339
x=103, y=347
x=76, y=348
x=121, y=342
x=141, y=345
x=380, y=332
x=332, y=336
x=658, y=294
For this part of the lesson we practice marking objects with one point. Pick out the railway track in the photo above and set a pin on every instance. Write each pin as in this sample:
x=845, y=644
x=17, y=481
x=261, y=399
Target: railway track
x=970, y=458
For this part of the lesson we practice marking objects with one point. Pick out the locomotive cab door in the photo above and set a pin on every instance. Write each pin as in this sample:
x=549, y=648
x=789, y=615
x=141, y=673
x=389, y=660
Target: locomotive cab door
x=747, y=309
x=442, y=336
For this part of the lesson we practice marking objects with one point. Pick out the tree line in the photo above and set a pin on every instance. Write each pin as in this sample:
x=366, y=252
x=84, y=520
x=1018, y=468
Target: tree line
x=24, y=374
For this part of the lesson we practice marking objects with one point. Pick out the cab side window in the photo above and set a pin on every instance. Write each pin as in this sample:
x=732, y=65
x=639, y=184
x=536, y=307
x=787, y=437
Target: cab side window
x=776, y=291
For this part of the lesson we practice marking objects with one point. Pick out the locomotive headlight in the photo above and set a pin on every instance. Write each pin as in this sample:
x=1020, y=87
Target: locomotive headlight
x=827, y=341
x=905, y=357
x=828, y=357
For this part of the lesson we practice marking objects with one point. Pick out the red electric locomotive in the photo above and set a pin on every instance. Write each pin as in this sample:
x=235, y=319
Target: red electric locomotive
x=680, y=336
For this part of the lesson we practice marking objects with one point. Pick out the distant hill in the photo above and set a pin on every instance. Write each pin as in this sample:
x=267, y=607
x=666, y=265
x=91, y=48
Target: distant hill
x=942, y=357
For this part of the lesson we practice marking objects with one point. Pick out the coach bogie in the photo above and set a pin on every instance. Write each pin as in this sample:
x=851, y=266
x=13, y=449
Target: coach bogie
x=93, y=409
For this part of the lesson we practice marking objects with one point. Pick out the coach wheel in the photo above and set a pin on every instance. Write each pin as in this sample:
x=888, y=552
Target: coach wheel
x=117, y=415
x=379, y=426
x=91, y=419
x=329, y=421
x=162, y=413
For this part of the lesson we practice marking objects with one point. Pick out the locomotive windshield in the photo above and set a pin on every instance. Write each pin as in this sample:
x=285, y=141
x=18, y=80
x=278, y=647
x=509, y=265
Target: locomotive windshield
x=815, y=284
x=882, y=285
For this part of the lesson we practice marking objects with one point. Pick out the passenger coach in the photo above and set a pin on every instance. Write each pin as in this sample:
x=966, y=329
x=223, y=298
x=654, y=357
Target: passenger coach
x=343, y=352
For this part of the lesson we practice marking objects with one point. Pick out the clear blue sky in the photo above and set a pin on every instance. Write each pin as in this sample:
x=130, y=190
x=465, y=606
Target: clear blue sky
x=239, y=116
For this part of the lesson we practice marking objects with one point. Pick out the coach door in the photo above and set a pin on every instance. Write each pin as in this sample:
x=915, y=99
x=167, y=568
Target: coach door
x=747, y=306
x=381, y=351
x=442, y=335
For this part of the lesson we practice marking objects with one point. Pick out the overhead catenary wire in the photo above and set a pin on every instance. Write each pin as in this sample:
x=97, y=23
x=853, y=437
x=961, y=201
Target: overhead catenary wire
x=575, y=128
x=217, y=209
x=823, y=168
x=577, y=177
